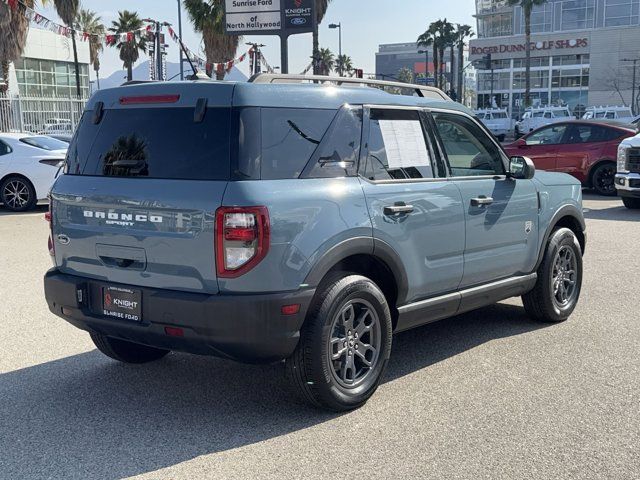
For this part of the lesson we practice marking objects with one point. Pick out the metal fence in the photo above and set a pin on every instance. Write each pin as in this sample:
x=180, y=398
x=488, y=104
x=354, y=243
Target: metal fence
x=48, y=115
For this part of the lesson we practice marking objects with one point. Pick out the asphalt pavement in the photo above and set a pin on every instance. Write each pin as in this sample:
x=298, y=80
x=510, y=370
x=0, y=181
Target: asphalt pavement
x=490, y=394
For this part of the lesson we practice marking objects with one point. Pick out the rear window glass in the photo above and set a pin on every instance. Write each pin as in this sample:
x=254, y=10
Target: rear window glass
x=153, y=143
x=45, y=143
x=289, y=138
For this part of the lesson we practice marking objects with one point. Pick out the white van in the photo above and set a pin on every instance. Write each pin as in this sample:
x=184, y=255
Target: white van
x=616, y=112
x=497, y=120
x=538, y=117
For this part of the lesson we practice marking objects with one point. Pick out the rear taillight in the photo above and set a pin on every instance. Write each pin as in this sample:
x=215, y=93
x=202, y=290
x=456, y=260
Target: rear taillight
x=49, y=218
x=242, y=239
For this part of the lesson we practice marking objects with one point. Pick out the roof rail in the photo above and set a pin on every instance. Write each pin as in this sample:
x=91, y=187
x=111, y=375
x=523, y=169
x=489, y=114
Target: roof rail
x=418, y=90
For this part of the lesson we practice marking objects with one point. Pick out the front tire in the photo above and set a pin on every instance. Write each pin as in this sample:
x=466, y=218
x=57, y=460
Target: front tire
x=557, y=289
x=344, y=345
x=126, y=352
x=602, y=179
x=17, y=194
x=630, y=202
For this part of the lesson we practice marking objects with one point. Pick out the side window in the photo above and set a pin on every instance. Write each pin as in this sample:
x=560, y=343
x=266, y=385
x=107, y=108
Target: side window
x=289, y=138
x=337, y=155
x=397, y=146
x=4, y=148
x=551, y=135
x=547, y=114
x=469, y=150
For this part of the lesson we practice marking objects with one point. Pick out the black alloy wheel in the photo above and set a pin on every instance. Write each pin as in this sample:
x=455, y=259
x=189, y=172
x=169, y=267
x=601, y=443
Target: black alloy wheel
x=603, y=177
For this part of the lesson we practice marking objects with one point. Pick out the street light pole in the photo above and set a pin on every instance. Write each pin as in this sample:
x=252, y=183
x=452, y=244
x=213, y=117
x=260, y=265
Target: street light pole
x=339, y=27
x=426, y=64
x=180, y=33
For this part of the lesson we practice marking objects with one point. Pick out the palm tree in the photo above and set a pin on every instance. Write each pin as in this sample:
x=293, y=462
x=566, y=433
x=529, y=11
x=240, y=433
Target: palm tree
x=13, y=37
x=129, y=50
x=68, y=11
x=89, y=21
x=405, y=75
x=207, y=17
x=326, y=61
x=463, y=32
x=527, y=6
x=344, y=64
x=445, y=31
x=428, y=39
x=321, y=10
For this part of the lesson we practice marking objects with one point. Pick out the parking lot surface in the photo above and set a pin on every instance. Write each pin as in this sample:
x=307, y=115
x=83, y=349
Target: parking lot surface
x=490, y=394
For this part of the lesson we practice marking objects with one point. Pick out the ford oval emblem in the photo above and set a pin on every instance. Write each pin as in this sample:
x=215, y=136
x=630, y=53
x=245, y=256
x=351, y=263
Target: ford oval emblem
x=63, y=239
x=298, y=21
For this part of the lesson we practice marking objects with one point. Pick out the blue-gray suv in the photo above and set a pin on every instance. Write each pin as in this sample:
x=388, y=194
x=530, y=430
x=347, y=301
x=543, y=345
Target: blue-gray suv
x=268, y=221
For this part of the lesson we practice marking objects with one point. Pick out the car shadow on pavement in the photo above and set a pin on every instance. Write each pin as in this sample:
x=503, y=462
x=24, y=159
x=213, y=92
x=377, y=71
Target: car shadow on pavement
x=38, y=210
x=86, y=416
x=618, y=213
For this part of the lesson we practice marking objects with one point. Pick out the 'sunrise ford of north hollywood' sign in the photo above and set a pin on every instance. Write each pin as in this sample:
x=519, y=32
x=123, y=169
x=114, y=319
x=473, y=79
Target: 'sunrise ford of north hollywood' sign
x=276, y=17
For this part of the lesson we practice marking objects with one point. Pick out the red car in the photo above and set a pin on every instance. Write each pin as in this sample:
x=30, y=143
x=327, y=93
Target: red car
x=585, y=149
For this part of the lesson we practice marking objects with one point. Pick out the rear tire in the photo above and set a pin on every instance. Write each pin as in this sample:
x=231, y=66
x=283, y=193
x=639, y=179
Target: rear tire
x=557, y=289
x=17, y=194
x=126, y=352
x=630, y=202
x=501, y=138
x=602, y=179
x=344, y=345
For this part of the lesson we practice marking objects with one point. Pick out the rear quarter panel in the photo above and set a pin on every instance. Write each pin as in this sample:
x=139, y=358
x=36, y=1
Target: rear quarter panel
x=307, y=217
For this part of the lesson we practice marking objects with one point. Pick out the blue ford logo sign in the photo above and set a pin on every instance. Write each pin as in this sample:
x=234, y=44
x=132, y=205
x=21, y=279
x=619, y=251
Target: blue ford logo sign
x=298, y=21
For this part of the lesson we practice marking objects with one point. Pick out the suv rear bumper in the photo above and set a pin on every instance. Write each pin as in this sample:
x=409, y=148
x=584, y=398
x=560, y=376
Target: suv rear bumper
x=628, y=184
x=249, y=328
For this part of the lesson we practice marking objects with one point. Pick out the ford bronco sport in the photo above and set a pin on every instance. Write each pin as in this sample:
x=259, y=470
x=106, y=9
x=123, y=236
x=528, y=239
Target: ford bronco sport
x=269, y=221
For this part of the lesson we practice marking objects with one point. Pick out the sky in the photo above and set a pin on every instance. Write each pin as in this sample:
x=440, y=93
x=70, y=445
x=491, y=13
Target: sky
x=365, y=25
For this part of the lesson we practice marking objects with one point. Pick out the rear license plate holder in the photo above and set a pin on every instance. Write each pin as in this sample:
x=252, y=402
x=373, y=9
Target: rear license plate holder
x=122, y=303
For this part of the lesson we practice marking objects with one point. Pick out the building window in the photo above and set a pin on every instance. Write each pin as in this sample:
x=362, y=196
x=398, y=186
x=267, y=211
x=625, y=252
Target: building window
x=578, y=14
x=571, y=60
x=539, y=79
x=541, y=18
x=50, y=78
x=621, y=12
x=500, y=81
x=500, y=25
x=570, y=78
x=535, y=62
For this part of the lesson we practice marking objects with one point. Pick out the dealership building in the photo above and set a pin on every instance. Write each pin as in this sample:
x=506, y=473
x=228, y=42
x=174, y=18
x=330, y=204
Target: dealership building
x=582, y=53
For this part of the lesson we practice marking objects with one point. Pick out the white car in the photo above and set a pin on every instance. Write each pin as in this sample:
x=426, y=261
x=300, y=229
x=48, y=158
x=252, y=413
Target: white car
x=29, y=164
x=497, y=120
x=539, y=117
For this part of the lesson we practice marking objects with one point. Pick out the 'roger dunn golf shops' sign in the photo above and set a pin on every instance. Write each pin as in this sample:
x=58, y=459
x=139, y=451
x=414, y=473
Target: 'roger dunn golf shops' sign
x=269, y=17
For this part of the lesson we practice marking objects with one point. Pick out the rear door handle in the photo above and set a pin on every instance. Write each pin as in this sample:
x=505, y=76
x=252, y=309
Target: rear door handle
x=481, y=200
x=398, y=208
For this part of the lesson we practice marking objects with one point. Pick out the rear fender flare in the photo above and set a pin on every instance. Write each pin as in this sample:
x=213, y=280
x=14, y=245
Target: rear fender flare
x=361, y=246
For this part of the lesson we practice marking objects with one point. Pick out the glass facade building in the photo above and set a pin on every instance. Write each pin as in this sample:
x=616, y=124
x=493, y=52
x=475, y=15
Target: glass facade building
x=581, y=52
x=49, y=78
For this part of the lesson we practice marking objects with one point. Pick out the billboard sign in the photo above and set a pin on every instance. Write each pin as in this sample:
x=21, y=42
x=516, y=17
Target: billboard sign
x=269, y=17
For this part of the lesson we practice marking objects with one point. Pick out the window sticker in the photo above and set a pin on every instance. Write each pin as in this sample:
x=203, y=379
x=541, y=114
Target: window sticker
x=404, y=143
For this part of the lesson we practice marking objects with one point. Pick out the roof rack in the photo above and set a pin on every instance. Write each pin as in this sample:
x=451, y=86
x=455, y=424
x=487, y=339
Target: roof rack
x=417, y=90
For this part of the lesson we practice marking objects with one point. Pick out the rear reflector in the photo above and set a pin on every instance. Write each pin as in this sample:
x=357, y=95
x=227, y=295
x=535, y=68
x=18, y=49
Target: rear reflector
x=149, y=99
x=174, y=331
x=290, y=309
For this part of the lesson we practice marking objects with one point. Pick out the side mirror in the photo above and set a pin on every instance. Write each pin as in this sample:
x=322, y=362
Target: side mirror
x=521, y=168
